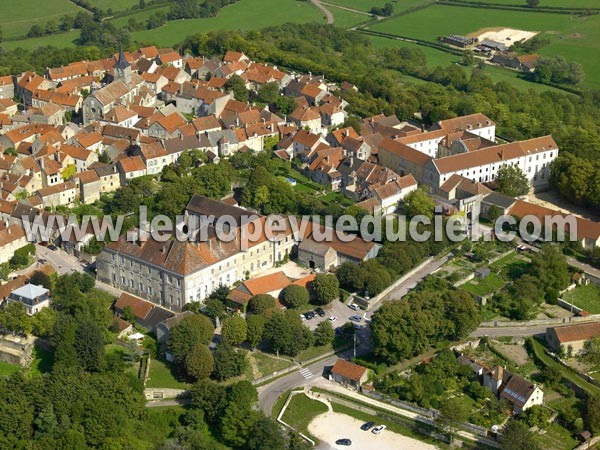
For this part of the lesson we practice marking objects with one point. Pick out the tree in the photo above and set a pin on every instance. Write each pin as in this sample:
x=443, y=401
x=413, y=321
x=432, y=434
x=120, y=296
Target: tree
x=592, y=414
x=39, y=278
x=512, y=181
x=190, y=332
x=550, y=266
x=418, y=203
x=591, y=350
x=14, y=318
x=234, y=330
x=256, y=326
x=128, y=314
x=516, y=436
x=350, y=276
x=265, y=435
x=229, y=362
x=533, y=3
x=214, y=308
x=324, y=333
x=453, y=412
x=35, y=31
x=89, y=345
x=536, y=416
x=260, y=304
x=295, y=296
x=238, y=86
x=325, y=288
x=199, y=362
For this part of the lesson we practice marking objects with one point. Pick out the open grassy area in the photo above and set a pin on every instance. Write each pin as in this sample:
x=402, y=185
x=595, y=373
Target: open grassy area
x=491, y=283
x=115, y=5
x=586, y=297
x=17, y=17
x=366, y=5
x=60, y=40
x=7, y=369
x=243, y=15
x=545, y=3
x=301, y=411
x=347, y=19
x=267, y=364
x=163, y=376
x=574, y=38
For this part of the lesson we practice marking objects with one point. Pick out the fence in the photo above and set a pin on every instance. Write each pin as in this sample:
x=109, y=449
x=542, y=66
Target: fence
x=540, y=322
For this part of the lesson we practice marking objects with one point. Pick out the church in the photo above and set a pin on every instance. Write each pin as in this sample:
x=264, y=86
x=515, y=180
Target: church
x=126, y=85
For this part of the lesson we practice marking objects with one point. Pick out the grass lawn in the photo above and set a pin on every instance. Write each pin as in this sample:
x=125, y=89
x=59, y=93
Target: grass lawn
x=17, y=17
x=576, y=39
x=7, y=369
x=301, y=411
x=586, y=297
x=547, y=3
x=364, y=5
x=162, y=376
x=243, y=15
x=267, y=365
x=511, y=266
x=313, y=352
x=140, y=16
x=557, y=437
x=483, y=287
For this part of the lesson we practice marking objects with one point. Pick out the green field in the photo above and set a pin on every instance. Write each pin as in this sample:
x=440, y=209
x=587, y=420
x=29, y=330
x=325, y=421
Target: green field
x=243, y=15
x=586, y=297
x=115, y=5
x=161, y=376
x=576, y=39
x=546, y=3
x=301, y=411
x=347, y=19
x=17, y=16
x=366, y=5
x=140, y=16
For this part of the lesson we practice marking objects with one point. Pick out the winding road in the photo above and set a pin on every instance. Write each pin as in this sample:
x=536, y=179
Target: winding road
x=328, y=15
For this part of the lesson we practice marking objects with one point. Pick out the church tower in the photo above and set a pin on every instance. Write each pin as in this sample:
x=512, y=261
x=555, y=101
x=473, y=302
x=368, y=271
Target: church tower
x=122, y=69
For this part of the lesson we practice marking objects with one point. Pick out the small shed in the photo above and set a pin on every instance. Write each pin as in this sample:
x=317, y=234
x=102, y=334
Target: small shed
x=349, y=374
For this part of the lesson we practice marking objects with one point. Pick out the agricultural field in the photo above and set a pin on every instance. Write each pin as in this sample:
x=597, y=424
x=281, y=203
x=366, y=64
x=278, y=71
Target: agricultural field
x=366, y=5
x=572, y=37
x=115, y=5
x=545, y=3
x=347, y=19
x=140, y=16
x=244, y=15
x=17, y=16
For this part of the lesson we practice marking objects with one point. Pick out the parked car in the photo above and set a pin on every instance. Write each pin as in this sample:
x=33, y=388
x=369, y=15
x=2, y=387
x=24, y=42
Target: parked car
x=309, y=315
x=367, y=426
x=42, y=261
x=354, y=306
x=52, y=247
x=320, y=312
x=355, y=318
x=343, y=442
x=332, y=319
x=302, y=316
x=378, y=429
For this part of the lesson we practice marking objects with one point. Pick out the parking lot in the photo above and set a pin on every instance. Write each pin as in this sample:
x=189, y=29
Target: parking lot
x=331, y=426
x=340, y=311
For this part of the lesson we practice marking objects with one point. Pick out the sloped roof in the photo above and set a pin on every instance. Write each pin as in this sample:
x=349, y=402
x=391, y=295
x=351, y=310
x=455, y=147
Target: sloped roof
x=348, y=370
x=577, y=332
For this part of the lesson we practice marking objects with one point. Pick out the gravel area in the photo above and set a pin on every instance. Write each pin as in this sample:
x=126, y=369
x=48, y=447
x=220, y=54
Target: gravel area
x=331, y=426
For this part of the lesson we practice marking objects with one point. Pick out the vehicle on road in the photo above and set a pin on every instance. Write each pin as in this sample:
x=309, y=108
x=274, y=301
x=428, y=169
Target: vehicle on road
x=332, y=319
x=42, y=261
x=320, y=312
x=354, y=307
x=52, y=247
x=367, y=426
x=343, y=442
x=378, y=429
x=355, y=318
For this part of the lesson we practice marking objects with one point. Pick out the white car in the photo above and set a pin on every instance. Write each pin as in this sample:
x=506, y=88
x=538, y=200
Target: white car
x=354, y=307
x=332, y=319
x=378, y=429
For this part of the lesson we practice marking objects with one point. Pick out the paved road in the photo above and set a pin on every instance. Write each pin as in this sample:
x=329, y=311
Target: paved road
x=412, y=281
x=268, y=394
x=328, y=15
x=174, y=402
x=510, y=331
x=65, y=263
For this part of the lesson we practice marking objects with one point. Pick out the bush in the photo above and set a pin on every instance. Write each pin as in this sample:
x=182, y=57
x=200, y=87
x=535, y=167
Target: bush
x=295, y=296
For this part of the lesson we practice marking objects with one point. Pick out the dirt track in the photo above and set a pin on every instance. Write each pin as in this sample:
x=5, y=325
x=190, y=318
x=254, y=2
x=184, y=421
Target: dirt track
x=328, y=15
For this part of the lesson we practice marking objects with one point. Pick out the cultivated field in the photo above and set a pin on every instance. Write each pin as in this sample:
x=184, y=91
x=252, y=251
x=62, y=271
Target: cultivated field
x=366, y=5
x=115, y=5
x=546, y=3
x=576, y=39
x=17, y=16
x=244, y=15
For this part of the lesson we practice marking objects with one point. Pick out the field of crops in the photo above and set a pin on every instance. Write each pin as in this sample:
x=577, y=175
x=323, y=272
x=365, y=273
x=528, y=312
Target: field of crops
x=17, y=16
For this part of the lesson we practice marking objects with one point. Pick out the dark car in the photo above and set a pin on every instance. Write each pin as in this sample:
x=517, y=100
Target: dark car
x=309, y=315
x=52, y=247
x=367, y=426
x=343, y=442
x=320, y=312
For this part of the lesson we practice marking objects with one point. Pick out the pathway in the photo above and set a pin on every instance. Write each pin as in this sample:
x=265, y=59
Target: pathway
x=328, y=15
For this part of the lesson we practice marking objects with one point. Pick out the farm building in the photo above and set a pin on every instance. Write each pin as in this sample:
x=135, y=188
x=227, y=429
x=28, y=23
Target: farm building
x=573, y=336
